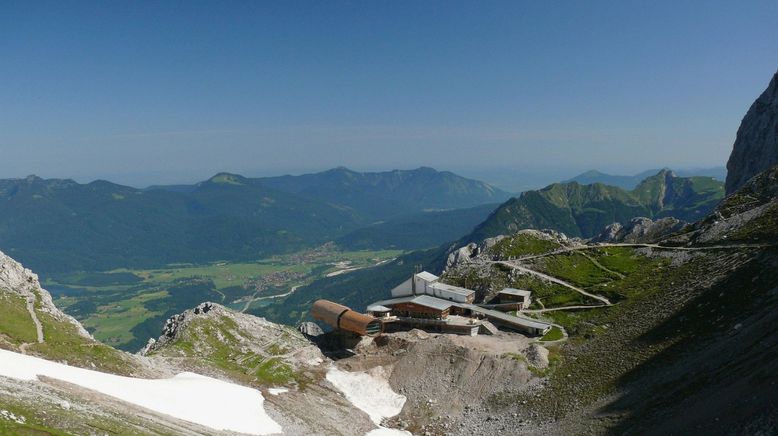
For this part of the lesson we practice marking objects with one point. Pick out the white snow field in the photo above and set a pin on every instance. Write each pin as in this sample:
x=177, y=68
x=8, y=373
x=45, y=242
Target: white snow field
x=187, y=396
x=371, y=394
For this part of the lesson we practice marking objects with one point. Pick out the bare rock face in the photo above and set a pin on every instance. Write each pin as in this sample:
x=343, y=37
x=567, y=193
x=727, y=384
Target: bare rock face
x=756, y=144
x=462, y=255
x=639, y=230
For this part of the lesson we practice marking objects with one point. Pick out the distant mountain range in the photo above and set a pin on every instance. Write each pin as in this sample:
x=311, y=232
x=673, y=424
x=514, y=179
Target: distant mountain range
x=381, y=195
x=630, y=182
x=584, y=210
x=59, y=225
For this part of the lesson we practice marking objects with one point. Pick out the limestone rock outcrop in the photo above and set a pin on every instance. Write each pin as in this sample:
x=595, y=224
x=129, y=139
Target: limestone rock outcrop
x=639, y=230
x=756, y=144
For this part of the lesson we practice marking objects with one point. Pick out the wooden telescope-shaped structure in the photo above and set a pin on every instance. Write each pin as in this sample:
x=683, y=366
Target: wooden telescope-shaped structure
x=343, y=318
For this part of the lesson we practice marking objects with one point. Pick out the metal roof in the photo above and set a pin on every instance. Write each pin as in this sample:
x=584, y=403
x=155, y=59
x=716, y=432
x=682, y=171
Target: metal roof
x=512, y=319
x=451, y=288
x=427, y=276
x=519, y=292
x=377, y=308
x=421, y=300
x=440, y=304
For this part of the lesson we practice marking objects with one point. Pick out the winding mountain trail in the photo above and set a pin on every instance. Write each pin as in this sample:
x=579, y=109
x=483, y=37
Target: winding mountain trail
x=556, y=309
x=38, y=326
x=549, y=278
x=605, y=301
x=602, y=267
x=655, y=246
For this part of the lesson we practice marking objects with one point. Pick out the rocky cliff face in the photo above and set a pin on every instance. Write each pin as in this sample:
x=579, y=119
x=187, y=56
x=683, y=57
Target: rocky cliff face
x=639, y=230
x=756, y=145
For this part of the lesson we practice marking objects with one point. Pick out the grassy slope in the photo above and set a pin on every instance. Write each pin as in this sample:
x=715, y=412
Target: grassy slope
x=669, y=316
x=650, y=343
x=690, y=346
x=217, y=342
x=62, y=340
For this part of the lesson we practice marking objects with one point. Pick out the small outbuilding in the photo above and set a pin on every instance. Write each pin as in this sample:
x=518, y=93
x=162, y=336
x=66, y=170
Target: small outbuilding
x=521, y=297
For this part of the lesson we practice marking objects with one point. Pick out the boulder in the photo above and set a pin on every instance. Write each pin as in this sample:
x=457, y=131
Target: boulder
x=310, y=329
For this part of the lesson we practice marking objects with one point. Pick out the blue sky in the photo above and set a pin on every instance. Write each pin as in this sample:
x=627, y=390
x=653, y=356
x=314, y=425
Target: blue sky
x=148, y=92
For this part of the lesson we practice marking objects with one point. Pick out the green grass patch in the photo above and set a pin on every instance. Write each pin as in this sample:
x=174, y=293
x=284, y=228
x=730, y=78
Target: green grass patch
x=63, y=343
x=215, y=342
x=523, y=245
x=555, y=334
x=16, y=325
x=620, y=259
x=576, y=269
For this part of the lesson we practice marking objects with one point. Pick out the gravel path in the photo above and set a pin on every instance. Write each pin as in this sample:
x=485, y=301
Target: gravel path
x=554, y=309
x=38, y=326
x=524, y=269
x=660, y=247
x=602, y=267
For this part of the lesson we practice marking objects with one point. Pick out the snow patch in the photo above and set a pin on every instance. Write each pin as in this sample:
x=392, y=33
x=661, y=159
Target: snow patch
x=383, y=431
x=187, y=396
x=277, y=391
x=10, y=416
x=371, y=393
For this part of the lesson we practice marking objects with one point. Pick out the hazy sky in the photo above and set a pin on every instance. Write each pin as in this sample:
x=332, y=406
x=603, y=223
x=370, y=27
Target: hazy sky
x=175, y=91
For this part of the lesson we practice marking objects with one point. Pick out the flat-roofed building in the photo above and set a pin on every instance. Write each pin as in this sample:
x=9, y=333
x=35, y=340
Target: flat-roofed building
x=521, y=297
x=415, y=306
x=424, y=312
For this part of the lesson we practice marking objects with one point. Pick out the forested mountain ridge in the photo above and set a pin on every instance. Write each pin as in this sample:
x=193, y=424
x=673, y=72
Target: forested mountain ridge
x=57, y=225
x=390, y=193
